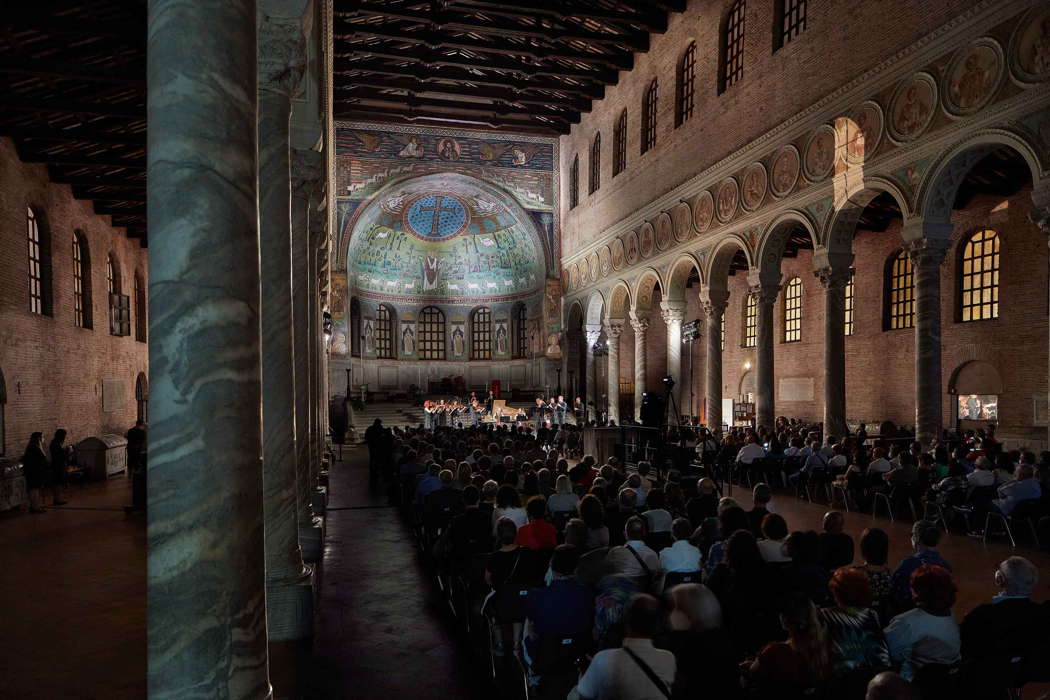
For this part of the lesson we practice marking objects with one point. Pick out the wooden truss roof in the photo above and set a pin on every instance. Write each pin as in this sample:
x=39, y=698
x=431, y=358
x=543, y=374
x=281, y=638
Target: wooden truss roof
x=73, y=96
x=525, y=66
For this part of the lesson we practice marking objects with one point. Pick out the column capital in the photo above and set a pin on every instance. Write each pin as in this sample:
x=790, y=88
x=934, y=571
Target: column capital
x=714, y=301
x=614, y=328
x=833, y=278
x=593, y=331
x=640, y=324
x=928, y=252
x=307, y=172
x=672, y=311
x=764, y=292
x=281, y=49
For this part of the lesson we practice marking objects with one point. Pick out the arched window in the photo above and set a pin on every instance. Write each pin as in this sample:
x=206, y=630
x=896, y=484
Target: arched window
x=979, y=277
x=431, y=334
x=849, y=306
x=481, y=334
x=900, y=292
x=750, y=321
x=521, y=331
x=574, y=182
x=141, y=398
x=119, y=305
x=790, y=21
x=81, y=281
x=140, y=308
x=39, y=244
x=732, y=63
x=685, y=87
x=596, y=164
x=793, y=310
x=384, y=333
x=649, y=103
x=3, y=405
x=620, y=144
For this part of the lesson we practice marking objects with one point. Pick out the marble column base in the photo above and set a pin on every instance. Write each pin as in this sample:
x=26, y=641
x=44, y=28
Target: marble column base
x=311, y=540
x=290, y=609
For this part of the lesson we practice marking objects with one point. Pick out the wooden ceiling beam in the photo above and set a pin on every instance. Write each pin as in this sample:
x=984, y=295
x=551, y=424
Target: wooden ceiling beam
x=652, y=20
x=590, y=90
x=56, y=133
x=665, y=5
x=45, y=68
x=619, y=60
x=57, y=176
x=429, y=57
x=477, y=109
x=14, y=102
x=497, y=107
x=405, y=115
x=507, y=95
x=453, y=20
x=75, y=160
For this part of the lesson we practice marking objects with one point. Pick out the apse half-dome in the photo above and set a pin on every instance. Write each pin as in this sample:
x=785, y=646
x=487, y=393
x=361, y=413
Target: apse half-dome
x=444, y=238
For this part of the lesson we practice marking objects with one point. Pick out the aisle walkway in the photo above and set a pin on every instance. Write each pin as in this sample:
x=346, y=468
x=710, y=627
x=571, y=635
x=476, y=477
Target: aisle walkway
x=382, y=631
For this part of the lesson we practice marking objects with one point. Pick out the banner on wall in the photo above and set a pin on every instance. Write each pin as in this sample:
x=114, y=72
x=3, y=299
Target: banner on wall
x=408, y=338
x=459, y=339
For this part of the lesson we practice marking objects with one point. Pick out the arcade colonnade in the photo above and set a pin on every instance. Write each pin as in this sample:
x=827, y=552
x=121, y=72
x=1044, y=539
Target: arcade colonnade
x=602, y=313
x=239, y=233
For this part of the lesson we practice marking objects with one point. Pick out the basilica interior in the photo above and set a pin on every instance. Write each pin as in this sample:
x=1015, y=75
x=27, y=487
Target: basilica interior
x=299, y=296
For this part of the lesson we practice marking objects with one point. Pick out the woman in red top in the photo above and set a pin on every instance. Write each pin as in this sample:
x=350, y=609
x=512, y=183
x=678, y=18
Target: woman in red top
x=538, y=533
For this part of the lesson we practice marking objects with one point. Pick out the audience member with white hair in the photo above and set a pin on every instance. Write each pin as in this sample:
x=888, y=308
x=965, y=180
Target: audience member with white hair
x=1012, y=623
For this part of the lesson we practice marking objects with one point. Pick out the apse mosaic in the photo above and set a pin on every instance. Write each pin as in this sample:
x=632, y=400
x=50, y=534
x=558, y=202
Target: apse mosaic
x=444, y=238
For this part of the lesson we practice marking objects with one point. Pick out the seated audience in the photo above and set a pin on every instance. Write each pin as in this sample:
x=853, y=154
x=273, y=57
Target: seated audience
x=470, y=533
x=1011, y=624
x=747, y=588
x=836, y=547
x=638, y=670
x=925, y=536
x=1023, y=487
x=802, y=662
x=774, y=533
x=805, y=573
x=702, y=648
x=429, y=483
x=682, y=556
x=730, y=519
x=657, y=516
x=761, y=495
x=634, y=560
x=538, y=533
x=853, y=627
x=592, y=513
x=704, y=504
x=563, y=500
x=926, y=634
x=889, y=686
x=875, y=548
x=751, y=451
x=561, y=610
x=508, y=505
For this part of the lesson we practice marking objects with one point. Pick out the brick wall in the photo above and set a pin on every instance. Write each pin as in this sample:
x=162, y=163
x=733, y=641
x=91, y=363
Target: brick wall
x=842, y=40
x=880, y=364
x=54, y=370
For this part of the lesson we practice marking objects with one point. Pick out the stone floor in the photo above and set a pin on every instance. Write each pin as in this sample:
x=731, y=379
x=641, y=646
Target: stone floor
x=73, y=595
x=72, y=586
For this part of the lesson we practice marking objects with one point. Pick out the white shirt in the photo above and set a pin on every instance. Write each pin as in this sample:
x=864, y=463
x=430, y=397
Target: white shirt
x=791, y=451
x=750, y=452
x=880, y=465
x=562, y=502
x=772, y=551
x=680, y=556
x=917, y=638
x=614, y=675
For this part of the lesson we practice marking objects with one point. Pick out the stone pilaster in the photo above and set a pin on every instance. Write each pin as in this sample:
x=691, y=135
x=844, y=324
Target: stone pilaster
x=765, y=410
x=834, y=281
x=672, y=313
x=306, y=175
x=206, y=580
x=289, y=596
x=613, y=331
x=714, y=303
x=1040, y=216
x=640, y=324
x=592, y=332
x=926, y=255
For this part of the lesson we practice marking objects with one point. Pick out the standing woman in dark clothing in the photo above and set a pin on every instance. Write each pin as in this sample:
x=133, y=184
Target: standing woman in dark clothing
x=59, y=466
x=34, y=466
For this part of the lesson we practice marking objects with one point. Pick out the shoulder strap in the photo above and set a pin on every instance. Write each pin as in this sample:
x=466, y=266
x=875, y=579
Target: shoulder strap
x=630, y=549
x=514, y=569
x=657, y=681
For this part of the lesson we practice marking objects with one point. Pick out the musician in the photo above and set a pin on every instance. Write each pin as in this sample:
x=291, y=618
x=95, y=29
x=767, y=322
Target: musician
x=441, y=413
x=580, y=411
x=539, y=413
x=475, y=410
x=489, y=402
x=560, y=408
x=428, y=415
